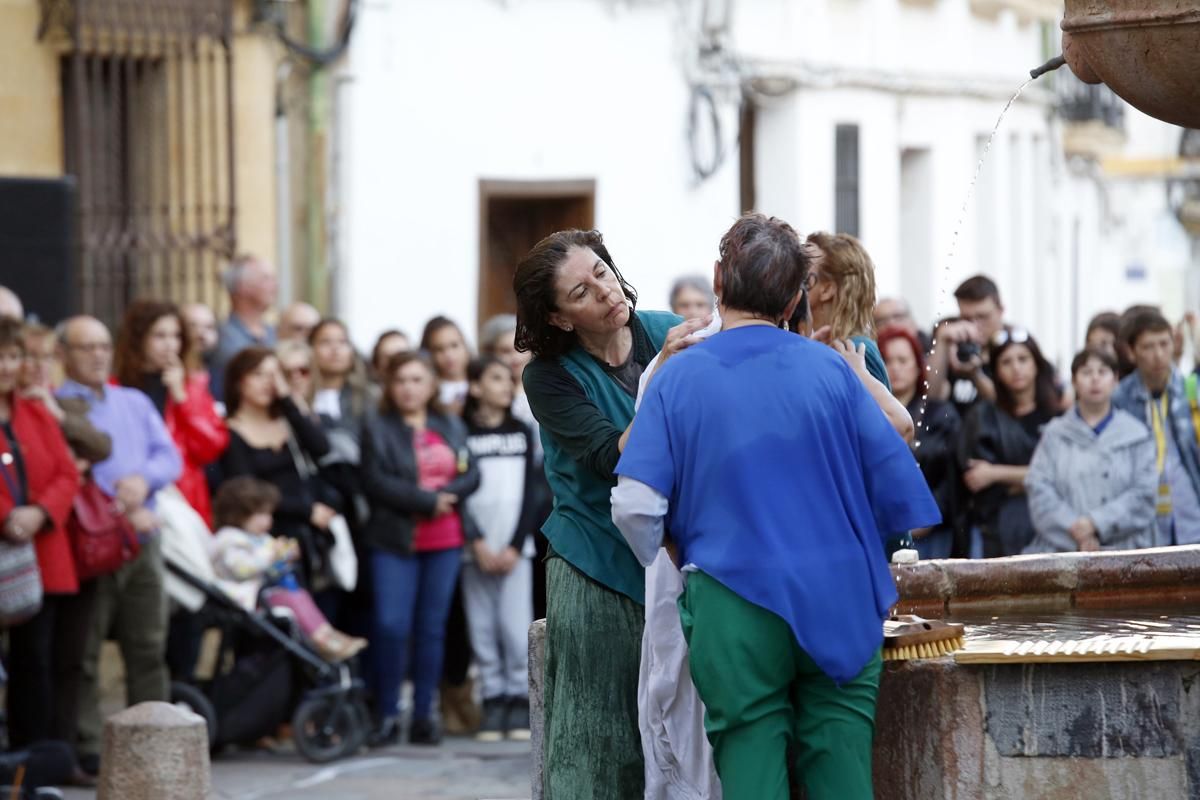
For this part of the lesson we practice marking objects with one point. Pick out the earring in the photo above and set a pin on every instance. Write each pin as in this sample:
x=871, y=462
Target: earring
x=569, y=328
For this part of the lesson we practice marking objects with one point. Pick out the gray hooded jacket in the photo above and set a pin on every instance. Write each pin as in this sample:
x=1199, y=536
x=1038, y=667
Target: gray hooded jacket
x=1110, y=478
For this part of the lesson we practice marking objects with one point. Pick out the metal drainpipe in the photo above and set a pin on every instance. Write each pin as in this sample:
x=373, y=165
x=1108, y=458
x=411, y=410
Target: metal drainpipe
x=318, y=138
x=283, y=190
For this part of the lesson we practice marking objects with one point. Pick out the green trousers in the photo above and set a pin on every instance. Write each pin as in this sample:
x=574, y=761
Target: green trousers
x=593, y=750
x=131, y=607
x=762, y=692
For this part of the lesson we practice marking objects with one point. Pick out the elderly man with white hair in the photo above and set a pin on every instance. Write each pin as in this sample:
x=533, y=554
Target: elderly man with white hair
x=251, y=283
x=10, y=305
x=297, y=322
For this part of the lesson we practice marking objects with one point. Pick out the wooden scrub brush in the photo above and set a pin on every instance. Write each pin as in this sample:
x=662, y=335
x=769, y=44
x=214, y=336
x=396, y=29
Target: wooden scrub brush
x=907, y=637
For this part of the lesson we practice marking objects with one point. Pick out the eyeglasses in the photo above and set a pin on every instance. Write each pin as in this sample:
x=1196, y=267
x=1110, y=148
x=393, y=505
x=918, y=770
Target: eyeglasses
x=92, y=347
x=888, y=320
x=1006, y=335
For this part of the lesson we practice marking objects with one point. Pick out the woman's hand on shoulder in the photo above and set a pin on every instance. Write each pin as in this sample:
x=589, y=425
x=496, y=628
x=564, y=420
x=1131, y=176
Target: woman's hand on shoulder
x=855, y=355
x=680, y=338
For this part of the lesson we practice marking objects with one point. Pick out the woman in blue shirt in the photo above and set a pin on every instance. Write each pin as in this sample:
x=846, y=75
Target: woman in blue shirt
x=778, y=476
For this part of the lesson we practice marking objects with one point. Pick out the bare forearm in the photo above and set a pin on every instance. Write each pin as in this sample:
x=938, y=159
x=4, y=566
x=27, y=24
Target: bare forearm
x=1010, y=475
x=892, y=408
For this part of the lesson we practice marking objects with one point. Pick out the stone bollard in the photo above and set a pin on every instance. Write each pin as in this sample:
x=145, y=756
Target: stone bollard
x=154, y=751
x=537, y=707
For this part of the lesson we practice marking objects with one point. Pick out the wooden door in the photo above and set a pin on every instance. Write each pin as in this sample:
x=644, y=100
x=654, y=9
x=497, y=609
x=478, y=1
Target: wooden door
x=516, y=215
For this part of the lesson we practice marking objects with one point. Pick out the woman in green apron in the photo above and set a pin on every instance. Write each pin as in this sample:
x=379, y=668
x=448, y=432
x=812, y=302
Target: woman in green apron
x=576, y=315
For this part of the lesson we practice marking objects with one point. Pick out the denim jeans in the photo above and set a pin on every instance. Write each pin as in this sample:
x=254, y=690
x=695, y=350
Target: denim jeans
x=936, y=544
x=412, y=602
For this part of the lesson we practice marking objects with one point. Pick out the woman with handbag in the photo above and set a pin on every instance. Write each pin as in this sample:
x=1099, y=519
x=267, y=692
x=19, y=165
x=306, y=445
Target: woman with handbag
x=273, y=437
x=38, y=581
x=342, y=397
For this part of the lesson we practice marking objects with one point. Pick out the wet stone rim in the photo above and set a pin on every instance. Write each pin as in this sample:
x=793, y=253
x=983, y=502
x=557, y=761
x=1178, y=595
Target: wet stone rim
x=1167, y=576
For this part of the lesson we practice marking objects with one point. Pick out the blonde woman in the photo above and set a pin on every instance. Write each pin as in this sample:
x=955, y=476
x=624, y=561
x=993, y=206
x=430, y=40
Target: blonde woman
x=296, y=362
x=841, y=312
x=842, y=295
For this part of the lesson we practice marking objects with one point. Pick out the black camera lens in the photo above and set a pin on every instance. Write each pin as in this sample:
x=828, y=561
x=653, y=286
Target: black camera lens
x=967, y=351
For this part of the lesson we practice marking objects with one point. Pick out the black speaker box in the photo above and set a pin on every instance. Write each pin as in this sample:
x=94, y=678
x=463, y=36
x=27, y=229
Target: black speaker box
x=39, y=254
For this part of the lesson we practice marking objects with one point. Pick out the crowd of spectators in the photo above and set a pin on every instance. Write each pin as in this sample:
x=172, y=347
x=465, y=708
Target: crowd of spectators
x=425, y=462
x=1022, y=460
x=279, y=436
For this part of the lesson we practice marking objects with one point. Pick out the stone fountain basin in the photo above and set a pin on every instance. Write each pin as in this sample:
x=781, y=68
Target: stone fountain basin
x=1060, y=731
x=1119, y=729
x=1147, y=51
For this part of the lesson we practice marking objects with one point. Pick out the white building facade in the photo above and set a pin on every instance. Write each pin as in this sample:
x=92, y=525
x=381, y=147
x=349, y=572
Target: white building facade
x=469, y=128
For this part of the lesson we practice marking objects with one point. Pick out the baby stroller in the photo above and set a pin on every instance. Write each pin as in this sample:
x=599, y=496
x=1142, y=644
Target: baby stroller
x=264, y=672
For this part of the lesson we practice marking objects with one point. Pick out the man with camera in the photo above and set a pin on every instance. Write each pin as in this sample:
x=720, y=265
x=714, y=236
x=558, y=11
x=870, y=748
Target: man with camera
x=961, y=373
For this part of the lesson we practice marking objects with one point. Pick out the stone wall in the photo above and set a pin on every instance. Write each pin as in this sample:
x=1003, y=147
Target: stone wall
x=1099, y=730
x=1030, y=731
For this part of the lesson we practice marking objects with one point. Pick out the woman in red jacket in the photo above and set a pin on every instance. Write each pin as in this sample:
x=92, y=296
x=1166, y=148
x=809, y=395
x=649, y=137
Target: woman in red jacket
x=39, y=484
x=151, y=355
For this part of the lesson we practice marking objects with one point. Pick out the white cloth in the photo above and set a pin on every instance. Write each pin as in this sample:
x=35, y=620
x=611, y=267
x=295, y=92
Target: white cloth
x=679, y=760
x=451, y=393
x=328, y=402
x=185, y=542
x=343, y=561
x=638, y=511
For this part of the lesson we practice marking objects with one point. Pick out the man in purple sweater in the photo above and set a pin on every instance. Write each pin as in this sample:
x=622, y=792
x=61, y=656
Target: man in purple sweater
x=131, y=604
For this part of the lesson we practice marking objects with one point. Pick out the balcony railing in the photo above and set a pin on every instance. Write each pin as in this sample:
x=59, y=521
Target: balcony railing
x=1026, y=10
x=1082, y=102
x=1094, y=117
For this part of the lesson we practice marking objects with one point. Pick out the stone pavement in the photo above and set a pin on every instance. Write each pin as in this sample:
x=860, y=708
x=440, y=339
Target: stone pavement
x=461, y=769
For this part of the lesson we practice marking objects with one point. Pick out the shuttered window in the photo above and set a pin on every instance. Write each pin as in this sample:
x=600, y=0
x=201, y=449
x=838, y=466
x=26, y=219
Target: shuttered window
x=846, y=179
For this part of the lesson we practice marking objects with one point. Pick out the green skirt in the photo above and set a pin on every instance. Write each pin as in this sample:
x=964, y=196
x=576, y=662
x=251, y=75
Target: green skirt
x=593, y=750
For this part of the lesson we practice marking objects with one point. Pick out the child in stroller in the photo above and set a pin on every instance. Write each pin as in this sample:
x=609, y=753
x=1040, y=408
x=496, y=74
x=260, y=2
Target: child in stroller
x=252, y=566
